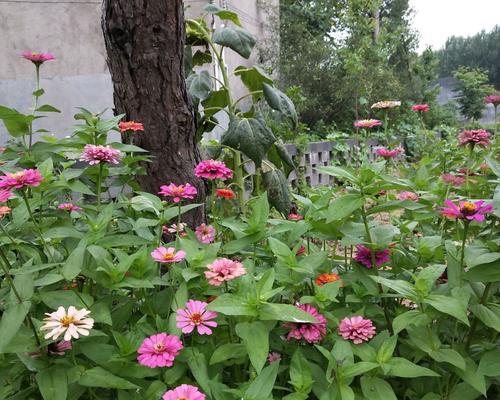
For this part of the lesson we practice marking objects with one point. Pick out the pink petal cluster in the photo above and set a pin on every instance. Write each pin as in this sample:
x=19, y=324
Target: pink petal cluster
x=479, y=137
x=5, y=195
x=386, y=153
x=408, y=196
x=367, y=123
x=173, y=229
x=195, y=315
x=21, y=179
x=69, y=207
x=159, y=350
x=492, y=99
x=454, y=180
x=126, y=126
x=295, y=217
x=470, y=211
x=167, y=255
x=184, y=392
x=178, y=192
x=357, y=329
x=223, y=270
x=273, y=357
x=205, y=233
x=364, y=256
x=311, y=332
x=60, y=348
x=213, y=169
x=37, y=58
x=420, y=107
x=96, y=154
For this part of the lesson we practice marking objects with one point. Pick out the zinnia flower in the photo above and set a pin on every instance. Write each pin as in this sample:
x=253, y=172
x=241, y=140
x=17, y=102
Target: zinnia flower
x=492, y=99
x=223, y=270
x=178, y=192
x=4, y=210
x=295, y=217
x=386, y=153
x=367, y=123
x=167, y=255
x=479, y=137
x=470, y=211
x=37, y=58
x=408, y=196
x=273, y=357
x=420, y=107
x=125, y=126
x=454, y=180
x=386, y=104
x=195, y=315
x=326, y=278
x=225, y=193
x=364, y=256
x=213, y=169
x=94, y=154
x=184, y=392
x=173, y=229
x=301, y=250
x=60, y=348
x=311, y=332
x=21, y=179
x=159, y=350
x=72, y=323
x=5, y=195
x=69, y=207
x=357, y=329
x=205, y=233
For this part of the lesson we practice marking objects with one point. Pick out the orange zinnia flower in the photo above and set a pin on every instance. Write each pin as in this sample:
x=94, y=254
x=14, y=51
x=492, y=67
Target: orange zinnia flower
x=225, y=193
x=326, y=278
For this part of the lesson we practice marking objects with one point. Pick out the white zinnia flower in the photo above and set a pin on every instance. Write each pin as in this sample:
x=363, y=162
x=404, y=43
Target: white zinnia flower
x=72, y=324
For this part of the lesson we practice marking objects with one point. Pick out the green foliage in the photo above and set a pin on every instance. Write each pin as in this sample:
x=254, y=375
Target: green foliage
x=471, y=91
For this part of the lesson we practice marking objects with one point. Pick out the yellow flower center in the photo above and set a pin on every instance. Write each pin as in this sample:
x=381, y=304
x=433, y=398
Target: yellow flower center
x=469, y=208
x=159, y=347
x=168, y=256
x=66, y=321
x=196, y=318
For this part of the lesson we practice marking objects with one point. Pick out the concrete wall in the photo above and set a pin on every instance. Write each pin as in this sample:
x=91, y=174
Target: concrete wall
x=71, y=30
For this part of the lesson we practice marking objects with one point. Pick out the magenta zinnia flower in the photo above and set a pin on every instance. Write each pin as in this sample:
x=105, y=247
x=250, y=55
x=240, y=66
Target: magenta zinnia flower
x=364, y=256
x=213, y=169
x=357, y=329
x=311, y=332
x=408, y=196
x=295, y=217
x=178, y=192
x=21, y=179
x=184, y=392
x=273, y=357
x=159, y=350
x=94, y=154
x=195, y=315
x=470, y=211
x=223, y=270
x=37, y=58
x=367, y=123
x=479, y=137
x=69, y=207
x=205, y=233
x=167, y=255
x=420, y=107
x=454, y=180
x=386, y=153
x=492, y=99
x=5, y=195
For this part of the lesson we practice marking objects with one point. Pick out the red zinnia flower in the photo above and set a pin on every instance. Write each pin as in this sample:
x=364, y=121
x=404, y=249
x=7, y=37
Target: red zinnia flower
x=420, y=107
x=492, y=99
x=326, y=278
x=478, y=137
x=225, y=193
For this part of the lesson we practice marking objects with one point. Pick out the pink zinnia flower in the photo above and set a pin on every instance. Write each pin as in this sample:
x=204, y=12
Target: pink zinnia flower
x=37, y=58
x=357, y=329
x=184, y=392
x=69, y=207
x=364, y=256
x=492, y=99
x=4, y=210
x=60, y=348
x=213, y=169
x=125, y=126
x=295, y=217
x=205, y=233
x=470, y=211
x=454, y=180
x=94, y=154
x=21, y=179
x=311, y=332
x=408, y=196
x=195, y=315
x=167, y=255
x=479, y=137
x=273, y=357
x=224, y=270
x=5, y=195
x=386, y=153
x=173, y=229
x=367, y=123
x=178, y=192
x=159, y=350
x=420, y=107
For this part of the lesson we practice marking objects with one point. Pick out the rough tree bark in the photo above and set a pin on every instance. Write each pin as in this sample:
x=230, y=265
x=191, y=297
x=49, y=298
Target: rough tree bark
x=145, y=46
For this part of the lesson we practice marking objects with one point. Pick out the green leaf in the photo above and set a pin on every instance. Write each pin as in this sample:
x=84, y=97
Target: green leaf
x=358, y=369
x=99, y=377
x=262, y=386
x=223, y=14
x=17, y=124
x=402, y=287
x=53, y=383
x=377, y=389
x=489, y=315
x=237, y=39
x=284, y=312
x=66, y=298
x=300, y=373
x=47, y=108
x=343, y=206
x=199, y=85
x=11, y=322
x=75, y=261
x=253, y=78
x=249, y=135
x=230, y=304
x=279, y=101
x=227, y=351
x=449, y=305
x=448, y=356
x=280, y=157
x=345, y=173
x=404, y=368
x=278, y=190
x=383, y=235
x=472, y=376
x=255, y=336
x=198, y=366
x=490, y=363
x=387, y=349
x=413, y=317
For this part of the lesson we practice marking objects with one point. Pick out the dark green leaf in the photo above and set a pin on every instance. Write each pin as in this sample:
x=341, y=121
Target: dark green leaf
x=284, y=312
x=237, y=39
x=12, y=319
x=255, y=336
x=53, y=383
x=377, y=389
x=199, y=85
x=222, y=13
x=99, y=377
x=278, y=190
x=47, y=108
x=262, y=386
x=228, y=351
x=279, y=101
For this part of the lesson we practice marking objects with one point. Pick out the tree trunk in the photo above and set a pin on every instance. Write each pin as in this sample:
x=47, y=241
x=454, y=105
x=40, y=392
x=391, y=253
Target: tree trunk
x=145, y=46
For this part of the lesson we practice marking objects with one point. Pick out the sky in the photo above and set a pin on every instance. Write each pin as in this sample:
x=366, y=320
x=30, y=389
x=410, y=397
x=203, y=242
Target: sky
x=436, y=20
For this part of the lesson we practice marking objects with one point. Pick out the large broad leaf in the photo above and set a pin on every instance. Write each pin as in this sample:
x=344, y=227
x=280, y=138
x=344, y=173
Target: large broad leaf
x=300, y=373
x=489, y=315
x=254, y=79
x=377, y=389
x=262, y=386
x=413, y=317
x=53, y=383
x=255, y=336
x=406, y=369
x=449, y=305
x=343, y=206
x=249, y=135
x=228, y=351
x=490, y=363
x=99, y=377
x=12, y=319
x=339, y=172
x=199, y=85
x=278, y=190
x=279, y=101
x=223, y=14
x=237, y=39
x=17, y=124
x=284, y=312
x=198, y=366
x=230, y=304
x=74, y=263
x=280, y=157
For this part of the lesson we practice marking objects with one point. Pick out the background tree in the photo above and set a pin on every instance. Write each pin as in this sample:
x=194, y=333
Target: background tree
x=145, y=46
x=471, y=91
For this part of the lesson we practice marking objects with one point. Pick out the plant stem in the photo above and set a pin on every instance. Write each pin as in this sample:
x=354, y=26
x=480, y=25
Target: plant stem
x=35, y=106
x=462, y=255
x=239, y=180
x=35, y=223
x=99, y=184
x=473, y=326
